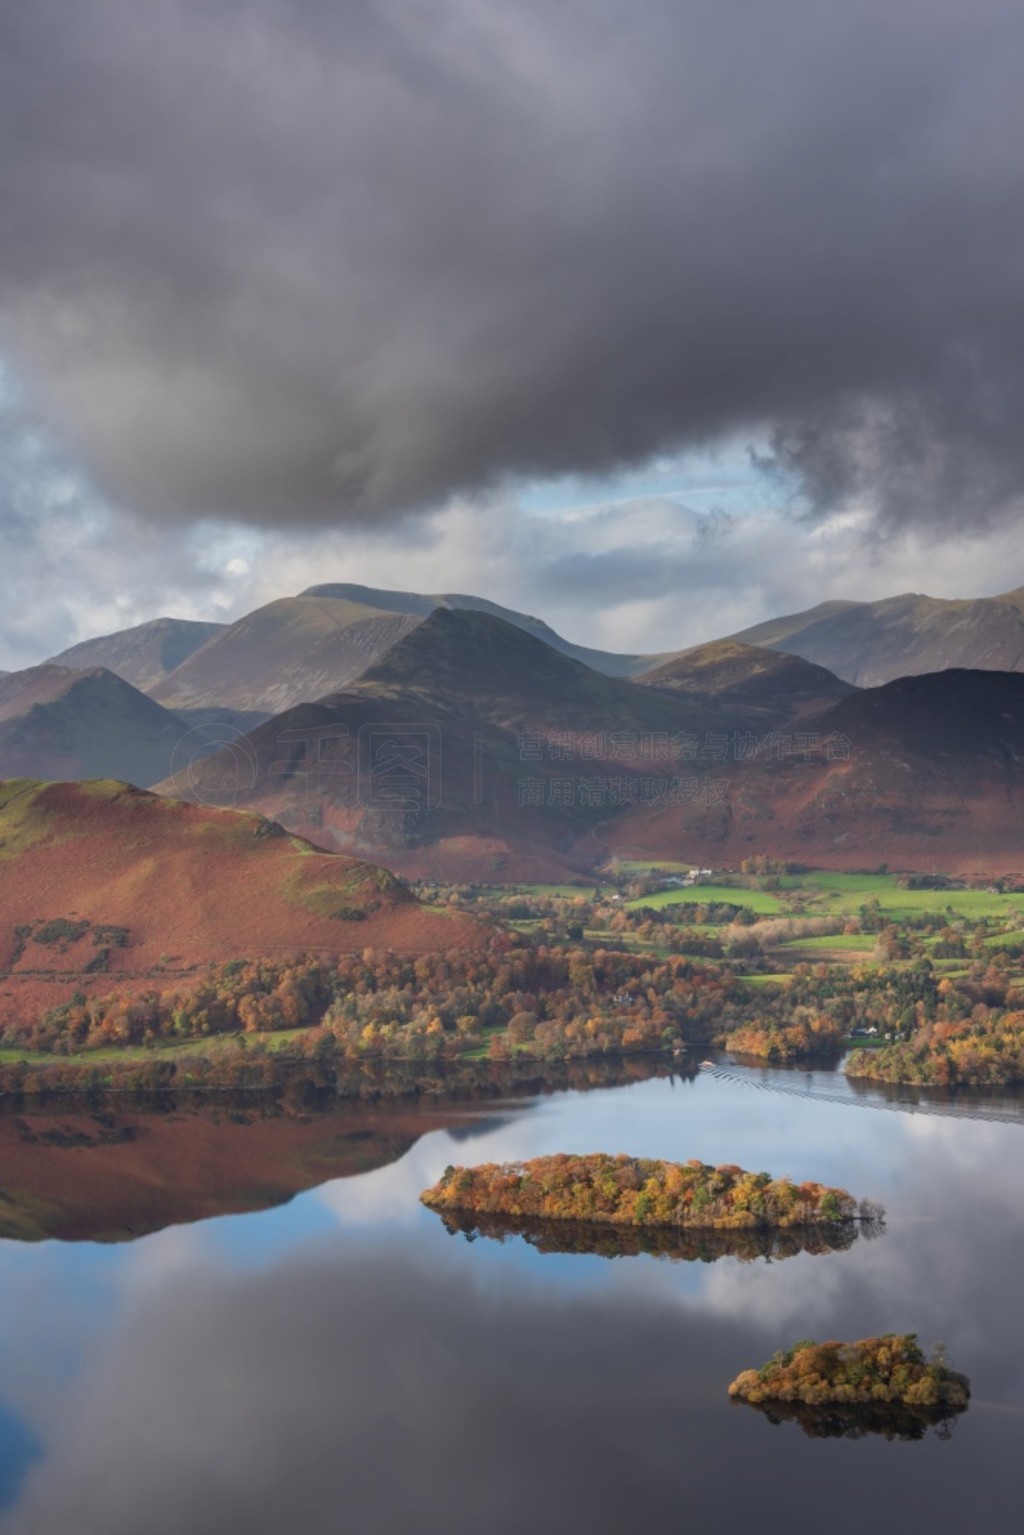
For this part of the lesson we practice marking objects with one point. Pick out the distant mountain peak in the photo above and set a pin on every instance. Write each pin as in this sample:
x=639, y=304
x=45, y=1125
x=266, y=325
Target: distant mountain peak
x=610, y=663
x=144, y=654
x=870, y=643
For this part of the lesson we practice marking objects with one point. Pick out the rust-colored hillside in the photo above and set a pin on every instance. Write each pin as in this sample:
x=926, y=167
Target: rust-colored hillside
x=104, y=887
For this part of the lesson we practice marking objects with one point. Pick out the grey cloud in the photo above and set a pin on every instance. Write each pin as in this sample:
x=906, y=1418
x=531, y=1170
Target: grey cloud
x=71, y=566
x=637, y=574
x=282, y=262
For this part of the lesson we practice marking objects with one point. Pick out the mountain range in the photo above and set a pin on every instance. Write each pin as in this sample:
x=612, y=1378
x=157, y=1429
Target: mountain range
x=472, y=749
x=296, y=649
x=923, y=773
x=432, y=747
x=448, y=734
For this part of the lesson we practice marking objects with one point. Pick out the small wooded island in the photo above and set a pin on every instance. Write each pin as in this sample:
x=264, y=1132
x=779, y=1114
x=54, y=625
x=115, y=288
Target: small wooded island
x=639, y=1191
x=889, y=1371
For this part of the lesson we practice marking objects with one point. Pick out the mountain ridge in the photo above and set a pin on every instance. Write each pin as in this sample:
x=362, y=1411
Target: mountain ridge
x=872, y=643
x=296, y=649
x=611, y=663
x=144, y=654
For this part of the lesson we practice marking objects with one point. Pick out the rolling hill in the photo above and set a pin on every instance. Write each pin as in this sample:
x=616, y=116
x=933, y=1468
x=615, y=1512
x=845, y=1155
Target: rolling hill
x=106, y=888
x=62, y=724
x=144, y=654
x=870, y=643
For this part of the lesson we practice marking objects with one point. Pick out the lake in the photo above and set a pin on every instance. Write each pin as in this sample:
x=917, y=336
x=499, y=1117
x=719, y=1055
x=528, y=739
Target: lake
x=339, y=1361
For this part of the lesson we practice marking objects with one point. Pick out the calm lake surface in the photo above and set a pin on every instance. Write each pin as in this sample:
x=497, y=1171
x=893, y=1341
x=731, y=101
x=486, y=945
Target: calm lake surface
x=341, y=1363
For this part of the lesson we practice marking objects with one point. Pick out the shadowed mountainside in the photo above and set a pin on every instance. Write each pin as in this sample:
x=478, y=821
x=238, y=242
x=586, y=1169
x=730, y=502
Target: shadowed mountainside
x=56, y=723
x=468, y=657
x=925, y=773
x=537, y=764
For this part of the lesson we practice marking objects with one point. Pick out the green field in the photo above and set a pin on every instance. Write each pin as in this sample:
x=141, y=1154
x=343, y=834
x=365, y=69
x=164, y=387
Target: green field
x=1009, y=940
x=855, y=941
x=762, y=901
x=628, y=866
x=825, y=893
x=830, y=879
x=840, y=893
x=212, y=1046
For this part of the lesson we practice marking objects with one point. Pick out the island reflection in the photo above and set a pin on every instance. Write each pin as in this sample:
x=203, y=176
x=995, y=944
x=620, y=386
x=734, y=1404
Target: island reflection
x=680, y=1246
x=852, y=1420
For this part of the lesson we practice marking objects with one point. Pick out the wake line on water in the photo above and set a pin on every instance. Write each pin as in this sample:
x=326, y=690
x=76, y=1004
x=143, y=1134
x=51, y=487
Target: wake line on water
x=892, y=1106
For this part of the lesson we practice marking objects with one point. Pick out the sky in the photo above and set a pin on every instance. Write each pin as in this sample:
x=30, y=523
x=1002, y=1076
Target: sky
x=653, y=323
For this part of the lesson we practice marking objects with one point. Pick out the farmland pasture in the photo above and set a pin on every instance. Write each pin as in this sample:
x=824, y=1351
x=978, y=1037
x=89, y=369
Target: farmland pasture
x=819, y=892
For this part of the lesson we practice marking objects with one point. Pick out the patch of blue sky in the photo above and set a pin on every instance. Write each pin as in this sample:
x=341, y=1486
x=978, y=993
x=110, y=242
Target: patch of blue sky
x=725, y=478
x=253, y=1240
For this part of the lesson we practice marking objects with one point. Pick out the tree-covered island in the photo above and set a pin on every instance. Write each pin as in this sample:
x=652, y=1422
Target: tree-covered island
x=638, y=1191
x=891, y=1370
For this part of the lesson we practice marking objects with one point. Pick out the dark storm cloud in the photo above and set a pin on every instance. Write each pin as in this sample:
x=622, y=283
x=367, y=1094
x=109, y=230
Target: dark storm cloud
x=282, y=261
